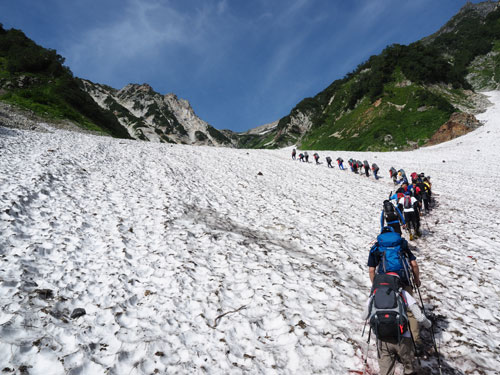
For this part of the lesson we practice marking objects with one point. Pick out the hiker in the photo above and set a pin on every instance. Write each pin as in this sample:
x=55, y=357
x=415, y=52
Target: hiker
x=360, y=166
x=401, y=177
x=375, y=170
x=294, y=152
x=415, y=177
x=366, y=165
x=391, y=254
x=411, y=213
x=340, y=162
x=329, y=162
x=316, y=158
x=306, y=156
x=392, y=217
x=388, y=310
x=393, y=174
x=355, y=166
x=427, y=182
x=422, y=195
x=301, y=157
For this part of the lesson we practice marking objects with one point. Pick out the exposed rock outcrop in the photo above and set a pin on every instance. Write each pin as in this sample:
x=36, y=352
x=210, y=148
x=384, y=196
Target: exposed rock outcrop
x=150, y=116
x=458, y=125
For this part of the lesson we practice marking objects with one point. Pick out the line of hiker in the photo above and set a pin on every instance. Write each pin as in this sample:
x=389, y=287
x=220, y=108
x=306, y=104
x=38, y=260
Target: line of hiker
x=357, y=167
x=354, y=165
x=392, y=312
x=411, y=201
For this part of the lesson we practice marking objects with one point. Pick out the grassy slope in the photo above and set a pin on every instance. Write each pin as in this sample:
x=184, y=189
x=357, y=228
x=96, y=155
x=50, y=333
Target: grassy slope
x=49, y=91
x=410, y=114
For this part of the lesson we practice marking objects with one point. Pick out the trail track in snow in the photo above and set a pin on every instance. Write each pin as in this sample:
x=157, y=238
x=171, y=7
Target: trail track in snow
x=187, y=261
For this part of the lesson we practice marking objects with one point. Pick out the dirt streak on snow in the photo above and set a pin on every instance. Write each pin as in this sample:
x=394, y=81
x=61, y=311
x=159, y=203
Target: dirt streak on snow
x=188, y=261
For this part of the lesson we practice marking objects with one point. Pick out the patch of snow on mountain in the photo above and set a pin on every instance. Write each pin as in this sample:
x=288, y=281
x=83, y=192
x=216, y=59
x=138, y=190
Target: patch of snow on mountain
x=188, y=260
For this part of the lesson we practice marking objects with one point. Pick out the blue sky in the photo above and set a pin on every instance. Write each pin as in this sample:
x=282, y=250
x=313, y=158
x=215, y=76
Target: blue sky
x=240, y=63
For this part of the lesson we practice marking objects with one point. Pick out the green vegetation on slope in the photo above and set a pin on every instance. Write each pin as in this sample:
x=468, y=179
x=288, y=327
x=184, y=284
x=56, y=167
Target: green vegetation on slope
x=405, y=116
x=390, y=100
x=35, y=78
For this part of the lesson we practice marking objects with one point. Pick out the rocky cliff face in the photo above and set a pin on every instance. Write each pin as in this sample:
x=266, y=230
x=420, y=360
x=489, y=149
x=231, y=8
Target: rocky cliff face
x=150, y=116
x=459, y=124
x=479, y=10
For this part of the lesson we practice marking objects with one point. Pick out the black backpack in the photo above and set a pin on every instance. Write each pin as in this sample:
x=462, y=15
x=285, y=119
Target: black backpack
x=407, y=202
x=390, y=212
x=387, y=312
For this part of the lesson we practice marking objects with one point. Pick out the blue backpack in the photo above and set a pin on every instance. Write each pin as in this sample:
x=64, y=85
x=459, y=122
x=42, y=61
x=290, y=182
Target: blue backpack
x=390, y=246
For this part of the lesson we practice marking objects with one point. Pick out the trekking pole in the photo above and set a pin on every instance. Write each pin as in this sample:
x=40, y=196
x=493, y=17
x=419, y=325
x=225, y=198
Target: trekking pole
x=426, y=224
x=432, y=327
x=432, y=331
x=414, y=344
x=365, y=365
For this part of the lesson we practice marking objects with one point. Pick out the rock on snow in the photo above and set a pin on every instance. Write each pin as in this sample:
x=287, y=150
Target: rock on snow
x=186, y=260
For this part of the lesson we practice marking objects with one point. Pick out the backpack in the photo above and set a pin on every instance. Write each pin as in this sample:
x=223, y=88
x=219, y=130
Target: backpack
x=390, y=212
x=390, y=246
x=407, y=202
x=387, y=312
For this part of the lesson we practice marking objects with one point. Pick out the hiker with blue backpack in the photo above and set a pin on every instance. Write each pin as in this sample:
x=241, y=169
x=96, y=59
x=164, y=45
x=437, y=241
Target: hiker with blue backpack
x=387, y=312
x=391, y=253
x=401, y=177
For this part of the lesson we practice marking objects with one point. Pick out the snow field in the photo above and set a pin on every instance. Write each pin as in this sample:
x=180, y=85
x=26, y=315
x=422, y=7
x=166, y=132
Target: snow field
x=188, y=261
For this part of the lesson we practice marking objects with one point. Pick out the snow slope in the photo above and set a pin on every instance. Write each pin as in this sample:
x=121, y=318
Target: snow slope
x=186, y=260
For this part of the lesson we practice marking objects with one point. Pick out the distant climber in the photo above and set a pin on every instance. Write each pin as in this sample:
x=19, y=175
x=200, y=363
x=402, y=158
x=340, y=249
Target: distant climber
x=329, y=162
x=340, y=162
x=355, y=166
x=393, y=174
x=375, y=170
x=306, y=156
x=294, y=152
x=401, y=178
x=316, y=158
x=366, y=165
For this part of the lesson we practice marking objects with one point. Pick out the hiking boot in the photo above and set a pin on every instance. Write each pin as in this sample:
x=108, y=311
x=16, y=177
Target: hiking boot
x=419, y=350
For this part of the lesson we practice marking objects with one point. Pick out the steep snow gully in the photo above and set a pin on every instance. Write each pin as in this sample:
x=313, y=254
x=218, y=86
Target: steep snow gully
x=187, y=260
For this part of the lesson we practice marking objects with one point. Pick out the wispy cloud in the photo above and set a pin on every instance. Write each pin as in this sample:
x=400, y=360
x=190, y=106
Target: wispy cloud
x=141, y=31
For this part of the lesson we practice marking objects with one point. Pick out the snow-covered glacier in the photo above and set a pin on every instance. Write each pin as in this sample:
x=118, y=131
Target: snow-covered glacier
x=200, y=260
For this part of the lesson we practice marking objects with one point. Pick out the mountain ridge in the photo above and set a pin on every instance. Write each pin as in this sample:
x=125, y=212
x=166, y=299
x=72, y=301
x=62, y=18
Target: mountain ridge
x=150, y=116
x=401, y=97
x=397, y=99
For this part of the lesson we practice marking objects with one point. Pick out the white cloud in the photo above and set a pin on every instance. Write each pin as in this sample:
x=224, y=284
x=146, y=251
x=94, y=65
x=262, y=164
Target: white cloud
x=141, y=31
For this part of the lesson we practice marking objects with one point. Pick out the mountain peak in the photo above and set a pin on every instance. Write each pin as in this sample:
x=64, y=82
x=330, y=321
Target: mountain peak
x=150, y=116
x=482, y=9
